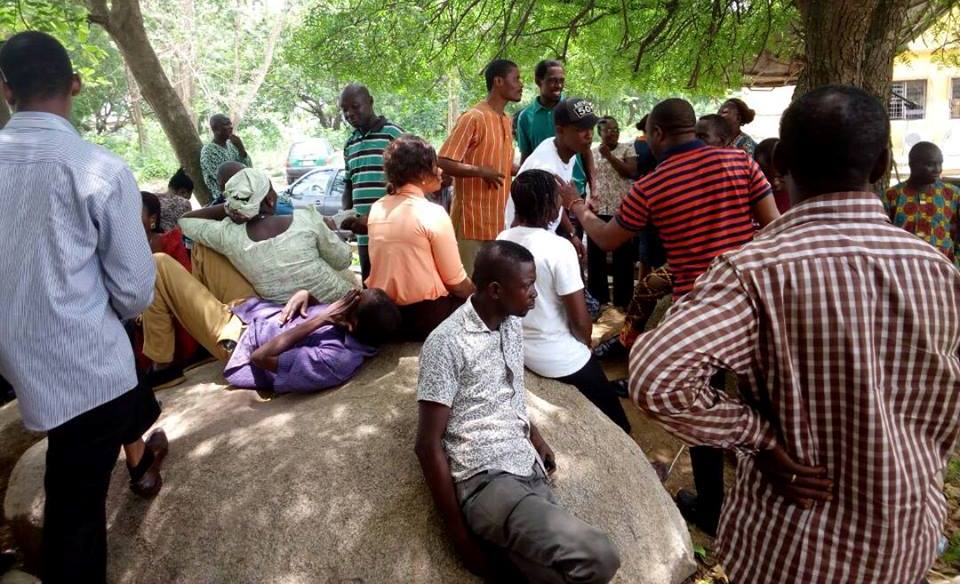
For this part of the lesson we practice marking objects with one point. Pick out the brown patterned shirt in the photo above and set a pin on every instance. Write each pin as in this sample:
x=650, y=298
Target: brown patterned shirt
x=846, y=330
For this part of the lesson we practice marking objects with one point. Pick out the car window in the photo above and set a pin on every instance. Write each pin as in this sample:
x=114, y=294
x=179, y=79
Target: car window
x=313, y=184
x=339, y=184
x=310, y=150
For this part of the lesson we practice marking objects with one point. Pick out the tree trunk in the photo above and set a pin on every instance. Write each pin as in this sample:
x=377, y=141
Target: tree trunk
x=855, y=42
x=4, y=113
x=123, y=21
x=244, y=99
x=187, y=57
x=136, y=111
x=453, y=99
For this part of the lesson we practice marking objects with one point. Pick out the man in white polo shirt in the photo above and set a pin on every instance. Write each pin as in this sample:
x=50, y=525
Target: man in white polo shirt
x=574, y=119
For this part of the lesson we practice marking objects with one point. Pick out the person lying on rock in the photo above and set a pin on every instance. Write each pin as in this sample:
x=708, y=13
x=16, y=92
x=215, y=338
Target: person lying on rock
x=302, y=346
x=485, y=463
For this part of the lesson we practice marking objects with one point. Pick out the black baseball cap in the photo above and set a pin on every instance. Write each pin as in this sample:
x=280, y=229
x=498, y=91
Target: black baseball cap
x=575, y=112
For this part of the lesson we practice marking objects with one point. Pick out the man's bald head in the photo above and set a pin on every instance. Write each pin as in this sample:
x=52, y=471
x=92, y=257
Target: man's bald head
x=926, y=163
x=834, y=138
x=226, y=171
x=221, y=127
x=671, y=123
x=356, y=90
x=673, y=115
x=356, y=104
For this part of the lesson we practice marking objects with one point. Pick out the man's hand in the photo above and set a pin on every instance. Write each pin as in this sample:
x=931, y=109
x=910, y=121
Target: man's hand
x=604, y=150
x=239, y=144
x=568, y=193
x=297, y=304
x=578, y=246
x=797, y=483
x=547, y=456
x=593, y=203
x=473, y=555
x=338, y=312
x=493, y=177
x=356, y=224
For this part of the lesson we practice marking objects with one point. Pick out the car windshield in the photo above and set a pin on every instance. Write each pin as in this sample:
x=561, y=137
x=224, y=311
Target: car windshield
x=310, y=150
x=313, y=184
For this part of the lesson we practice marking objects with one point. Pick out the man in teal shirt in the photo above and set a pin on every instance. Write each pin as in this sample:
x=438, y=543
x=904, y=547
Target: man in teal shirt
x=534, y=124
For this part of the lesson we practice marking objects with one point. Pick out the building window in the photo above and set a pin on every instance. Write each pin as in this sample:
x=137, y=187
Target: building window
x=908, y=100
x=955, y=98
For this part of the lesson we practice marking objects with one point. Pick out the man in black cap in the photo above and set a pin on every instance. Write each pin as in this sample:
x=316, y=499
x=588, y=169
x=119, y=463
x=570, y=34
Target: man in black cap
x=574, y=119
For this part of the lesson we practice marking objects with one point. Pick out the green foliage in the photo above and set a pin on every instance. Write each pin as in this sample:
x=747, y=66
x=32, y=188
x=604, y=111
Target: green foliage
x=951, y=556
x=611, y=47
x=65, y=20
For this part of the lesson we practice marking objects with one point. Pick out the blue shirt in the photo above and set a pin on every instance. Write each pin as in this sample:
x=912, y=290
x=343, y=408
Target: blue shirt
x=75, y=262
x=326, y=358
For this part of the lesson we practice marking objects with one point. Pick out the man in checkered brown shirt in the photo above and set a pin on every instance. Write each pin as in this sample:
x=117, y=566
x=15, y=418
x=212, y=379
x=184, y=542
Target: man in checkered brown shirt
x=846, y=330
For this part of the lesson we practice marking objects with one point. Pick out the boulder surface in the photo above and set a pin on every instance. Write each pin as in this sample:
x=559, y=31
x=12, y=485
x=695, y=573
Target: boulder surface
x=326, y=488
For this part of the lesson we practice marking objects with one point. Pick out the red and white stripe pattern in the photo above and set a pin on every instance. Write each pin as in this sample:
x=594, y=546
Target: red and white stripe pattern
x=845, y=332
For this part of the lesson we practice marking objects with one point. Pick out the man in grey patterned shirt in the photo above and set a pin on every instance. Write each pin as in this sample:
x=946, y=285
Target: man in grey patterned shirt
x=483, y=460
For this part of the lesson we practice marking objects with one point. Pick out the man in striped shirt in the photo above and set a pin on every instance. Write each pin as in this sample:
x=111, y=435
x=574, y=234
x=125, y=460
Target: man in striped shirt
x=363, y=157
x=74, y=263
x=703, y=201
x=846, y=330
x=478, y=154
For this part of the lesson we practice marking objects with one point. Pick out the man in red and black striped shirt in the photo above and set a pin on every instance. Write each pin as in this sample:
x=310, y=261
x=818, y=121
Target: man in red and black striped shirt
x=704, y=201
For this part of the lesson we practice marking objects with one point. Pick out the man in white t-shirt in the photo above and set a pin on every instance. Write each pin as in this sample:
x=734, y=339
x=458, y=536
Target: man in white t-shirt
x=556, y=333
x=574, y=120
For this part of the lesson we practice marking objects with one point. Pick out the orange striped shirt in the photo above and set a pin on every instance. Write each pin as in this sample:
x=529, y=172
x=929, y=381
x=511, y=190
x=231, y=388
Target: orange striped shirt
x=481, y=137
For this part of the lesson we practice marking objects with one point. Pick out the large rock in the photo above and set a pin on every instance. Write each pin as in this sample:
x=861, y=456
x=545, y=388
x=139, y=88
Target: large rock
x=326, y=488
x=15, y=439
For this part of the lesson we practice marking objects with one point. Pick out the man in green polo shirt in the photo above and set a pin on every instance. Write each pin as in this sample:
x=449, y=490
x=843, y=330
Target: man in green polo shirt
x=363, y=159
x=534, y=123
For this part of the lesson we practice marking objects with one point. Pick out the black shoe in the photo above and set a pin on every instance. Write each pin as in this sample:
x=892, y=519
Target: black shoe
x=164, y=378
x=611, y=348
x=623, y=387
x=687, y=504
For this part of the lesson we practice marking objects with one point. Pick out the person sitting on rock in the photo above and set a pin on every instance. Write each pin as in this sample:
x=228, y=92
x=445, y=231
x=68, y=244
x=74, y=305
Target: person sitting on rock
x=277, y=255
x=485, y=463
x=302, y=346
x=557, y=331
x=413, y=250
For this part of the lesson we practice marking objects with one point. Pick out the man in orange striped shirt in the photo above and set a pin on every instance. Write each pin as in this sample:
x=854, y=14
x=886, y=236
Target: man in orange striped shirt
x=479, y=155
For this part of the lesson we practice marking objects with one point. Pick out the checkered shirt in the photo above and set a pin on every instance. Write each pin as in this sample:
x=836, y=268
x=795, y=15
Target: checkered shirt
x=845, y=331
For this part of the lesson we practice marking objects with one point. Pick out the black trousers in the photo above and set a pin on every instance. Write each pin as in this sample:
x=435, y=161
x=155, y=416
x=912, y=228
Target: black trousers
x=81, y=454
x=419, y=319
x=707, y=463
x=594, y=385
x=624, y=258
x=364, y=252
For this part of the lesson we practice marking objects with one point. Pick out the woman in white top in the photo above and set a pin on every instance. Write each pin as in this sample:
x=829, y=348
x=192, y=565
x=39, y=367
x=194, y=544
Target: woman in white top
x=557, y=332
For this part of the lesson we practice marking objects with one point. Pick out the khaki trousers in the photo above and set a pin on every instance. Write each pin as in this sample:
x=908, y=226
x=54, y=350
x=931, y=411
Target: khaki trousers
x=178, y=294
x=468, y=249
x=218, y=275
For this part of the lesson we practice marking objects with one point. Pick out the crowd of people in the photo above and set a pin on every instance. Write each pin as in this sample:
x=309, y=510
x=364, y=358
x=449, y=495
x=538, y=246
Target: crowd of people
x=834, y=312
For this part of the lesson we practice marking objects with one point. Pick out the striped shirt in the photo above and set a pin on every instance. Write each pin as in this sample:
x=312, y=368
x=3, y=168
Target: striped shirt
x=846, y=332
x=363, y=158
x=700, y=199
x=75, y=261
x=481, y=137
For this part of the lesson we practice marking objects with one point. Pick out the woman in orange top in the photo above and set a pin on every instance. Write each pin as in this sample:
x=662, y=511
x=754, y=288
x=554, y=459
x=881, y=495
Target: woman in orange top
x=413, y=251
